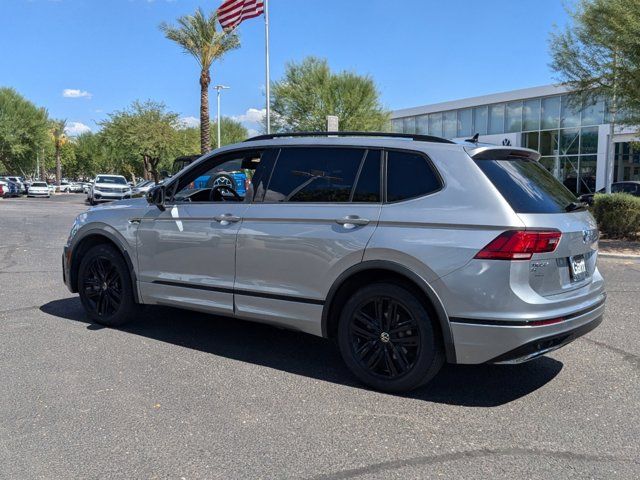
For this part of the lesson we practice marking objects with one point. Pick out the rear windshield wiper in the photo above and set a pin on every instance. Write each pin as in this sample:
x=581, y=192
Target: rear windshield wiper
x=573, y=206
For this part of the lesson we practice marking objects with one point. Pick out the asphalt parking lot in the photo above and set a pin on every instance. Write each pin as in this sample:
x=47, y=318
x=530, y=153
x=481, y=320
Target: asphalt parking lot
x=185, y=395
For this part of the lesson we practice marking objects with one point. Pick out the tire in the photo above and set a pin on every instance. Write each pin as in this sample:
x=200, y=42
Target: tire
x=380, y=355
x=105, y=287
x=92, y=202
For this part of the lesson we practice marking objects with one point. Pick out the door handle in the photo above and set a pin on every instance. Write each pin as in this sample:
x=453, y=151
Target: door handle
x=226, y=219
x=352, y=221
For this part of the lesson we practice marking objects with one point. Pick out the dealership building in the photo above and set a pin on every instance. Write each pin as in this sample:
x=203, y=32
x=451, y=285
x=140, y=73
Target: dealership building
x=572, y=139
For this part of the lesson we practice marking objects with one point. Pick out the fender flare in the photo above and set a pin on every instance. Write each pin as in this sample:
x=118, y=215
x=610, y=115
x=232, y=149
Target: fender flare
x=111, y=234
x=416, y=279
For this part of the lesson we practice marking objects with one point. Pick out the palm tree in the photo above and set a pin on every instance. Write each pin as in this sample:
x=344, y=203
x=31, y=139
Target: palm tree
x=59, y=138
x=198, y=35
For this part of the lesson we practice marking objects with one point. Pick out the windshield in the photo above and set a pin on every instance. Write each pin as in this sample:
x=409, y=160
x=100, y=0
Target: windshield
x=38, y=184
x=114, y=180
x=527, y=186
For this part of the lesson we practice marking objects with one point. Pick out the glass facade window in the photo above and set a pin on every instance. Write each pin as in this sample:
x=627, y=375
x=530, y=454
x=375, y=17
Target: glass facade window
x=480, y=120
x=549, y=142
x=396, y=125
x=570, y=113
x=435, y=124
x=531, y=140
x=496, y=118
x=514, y=117
x=409, y=125
x=589, y=140
x=587, y=174
x=531, y=115
x=570, y=141
x=550, y=115
x=422, y=125
x=593, y=112
x=465, y=122
x=449, y=124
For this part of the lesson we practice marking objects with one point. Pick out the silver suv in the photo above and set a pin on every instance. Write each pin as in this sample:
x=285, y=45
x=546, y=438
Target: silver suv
x=408, y=250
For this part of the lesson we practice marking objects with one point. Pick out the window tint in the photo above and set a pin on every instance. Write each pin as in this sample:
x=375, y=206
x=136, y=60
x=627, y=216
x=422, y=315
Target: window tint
x=368, y=186
x=409, y=175
x=527, y=186
x=314, y=175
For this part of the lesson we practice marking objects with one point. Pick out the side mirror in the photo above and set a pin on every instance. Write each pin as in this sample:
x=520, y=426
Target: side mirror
x=156, y=197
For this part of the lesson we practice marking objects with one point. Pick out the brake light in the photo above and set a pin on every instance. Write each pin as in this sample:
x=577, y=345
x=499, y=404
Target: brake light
x=520, y=244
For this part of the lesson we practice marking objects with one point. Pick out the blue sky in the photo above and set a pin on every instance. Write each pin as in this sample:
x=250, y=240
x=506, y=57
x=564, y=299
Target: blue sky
x=107, y=53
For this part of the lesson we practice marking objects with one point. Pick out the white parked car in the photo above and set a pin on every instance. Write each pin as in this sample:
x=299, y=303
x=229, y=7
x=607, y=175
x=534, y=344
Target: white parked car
x=106, y=188
x=39, y=189
x=142, y=188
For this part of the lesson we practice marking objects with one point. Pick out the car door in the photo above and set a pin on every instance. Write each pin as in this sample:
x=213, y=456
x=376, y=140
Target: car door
x=310, y=221
x=186, y=253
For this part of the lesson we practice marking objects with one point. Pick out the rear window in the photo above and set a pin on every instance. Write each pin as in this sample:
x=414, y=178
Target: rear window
x=527, y=186
x=38, y=184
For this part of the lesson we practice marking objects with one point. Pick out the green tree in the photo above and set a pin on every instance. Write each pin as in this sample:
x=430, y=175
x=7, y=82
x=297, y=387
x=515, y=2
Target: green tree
x=23, y=132
x=198, y=36
x=231, y=131
x=309, y=92
x=145, y=131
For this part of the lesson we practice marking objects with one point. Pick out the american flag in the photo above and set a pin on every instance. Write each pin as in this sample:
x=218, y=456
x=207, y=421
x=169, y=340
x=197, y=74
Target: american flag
x=232, y=12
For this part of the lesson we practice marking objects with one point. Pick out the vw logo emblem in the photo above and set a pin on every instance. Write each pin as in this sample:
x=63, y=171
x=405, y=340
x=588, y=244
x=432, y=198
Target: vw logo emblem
x=384, y=337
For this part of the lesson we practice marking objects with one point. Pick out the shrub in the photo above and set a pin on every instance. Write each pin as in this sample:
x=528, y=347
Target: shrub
x=618, y=215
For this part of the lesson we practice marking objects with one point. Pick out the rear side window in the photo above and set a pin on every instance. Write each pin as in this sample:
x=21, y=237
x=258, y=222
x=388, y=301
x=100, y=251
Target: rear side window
x=527, y=186
x=314, y=175
x=409, y=175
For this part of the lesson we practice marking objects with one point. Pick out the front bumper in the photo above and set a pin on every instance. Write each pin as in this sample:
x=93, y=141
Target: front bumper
x=516, y=341
x=66, y=269
x=109, y=197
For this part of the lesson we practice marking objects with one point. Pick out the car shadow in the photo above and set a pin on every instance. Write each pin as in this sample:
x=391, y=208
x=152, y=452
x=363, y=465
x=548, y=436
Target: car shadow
x=314, y=357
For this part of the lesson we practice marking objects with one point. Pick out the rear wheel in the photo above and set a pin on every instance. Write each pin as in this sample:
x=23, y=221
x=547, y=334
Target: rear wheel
x=105, y=287
x=388, y=339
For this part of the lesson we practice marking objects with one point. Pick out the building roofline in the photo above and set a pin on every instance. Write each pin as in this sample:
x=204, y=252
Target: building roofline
x=520, y=94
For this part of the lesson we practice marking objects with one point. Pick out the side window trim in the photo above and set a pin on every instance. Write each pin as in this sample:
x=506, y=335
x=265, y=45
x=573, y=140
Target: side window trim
x=430, y=164
x=357, y=179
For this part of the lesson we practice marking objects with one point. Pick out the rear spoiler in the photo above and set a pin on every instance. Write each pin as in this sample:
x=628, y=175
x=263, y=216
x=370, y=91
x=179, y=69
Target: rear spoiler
x=502, y=153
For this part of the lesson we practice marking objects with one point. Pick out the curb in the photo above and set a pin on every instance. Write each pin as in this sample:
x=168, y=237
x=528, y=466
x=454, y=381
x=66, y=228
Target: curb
x=618, y=255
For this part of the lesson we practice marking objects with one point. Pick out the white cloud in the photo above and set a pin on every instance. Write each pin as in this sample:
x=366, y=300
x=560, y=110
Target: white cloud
x=253, y=132
x=75, y=93
x=189, y=122
x=252, y=115
x=73, y=129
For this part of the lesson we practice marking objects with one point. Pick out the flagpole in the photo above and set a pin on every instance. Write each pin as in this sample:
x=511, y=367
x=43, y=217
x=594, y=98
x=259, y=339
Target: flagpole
x=267, y=72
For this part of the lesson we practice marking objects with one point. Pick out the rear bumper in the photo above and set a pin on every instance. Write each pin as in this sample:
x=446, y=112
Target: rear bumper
x=517, y=341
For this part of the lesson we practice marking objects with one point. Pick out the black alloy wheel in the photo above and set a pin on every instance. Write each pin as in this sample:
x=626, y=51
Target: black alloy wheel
x=105, y=286
x=385, y=337
x=102, y=285
x=388, y=337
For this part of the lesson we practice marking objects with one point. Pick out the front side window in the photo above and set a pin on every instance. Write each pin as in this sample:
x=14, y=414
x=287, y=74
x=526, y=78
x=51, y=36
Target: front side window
x=308, y=174
x=221, y=180
x=409, y=175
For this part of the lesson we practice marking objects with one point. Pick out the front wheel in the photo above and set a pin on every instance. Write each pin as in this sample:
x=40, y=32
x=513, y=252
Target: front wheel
x=105, y=287
x=388, y=338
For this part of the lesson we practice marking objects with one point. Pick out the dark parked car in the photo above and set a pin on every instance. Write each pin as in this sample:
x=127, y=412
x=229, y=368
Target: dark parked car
x=11, y=189
x=631, y=187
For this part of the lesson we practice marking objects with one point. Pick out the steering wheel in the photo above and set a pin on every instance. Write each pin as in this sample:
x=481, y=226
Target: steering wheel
x=225, y=188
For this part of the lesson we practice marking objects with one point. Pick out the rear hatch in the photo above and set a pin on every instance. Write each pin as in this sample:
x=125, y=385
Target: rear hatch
x=543, y=203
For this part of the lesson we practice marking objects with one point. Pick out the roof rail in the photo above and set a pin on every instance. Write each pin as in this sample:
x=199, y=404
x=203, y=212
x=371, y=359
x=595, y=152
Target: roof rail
x=410, y=136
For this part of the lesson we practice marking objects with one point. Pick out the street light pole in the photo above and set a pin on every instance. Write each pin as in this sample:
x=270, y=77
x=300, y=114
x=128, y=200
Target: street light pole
x=218, y=89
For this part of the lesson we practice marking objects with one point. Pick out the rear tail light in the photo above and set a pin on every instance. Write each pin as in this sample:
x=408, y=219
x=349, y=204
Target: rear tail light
x=520, y=244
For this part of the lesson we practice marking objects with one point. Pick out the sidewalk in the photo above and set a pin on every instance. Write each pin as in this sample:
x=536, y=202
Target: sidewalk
x=618, y=248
